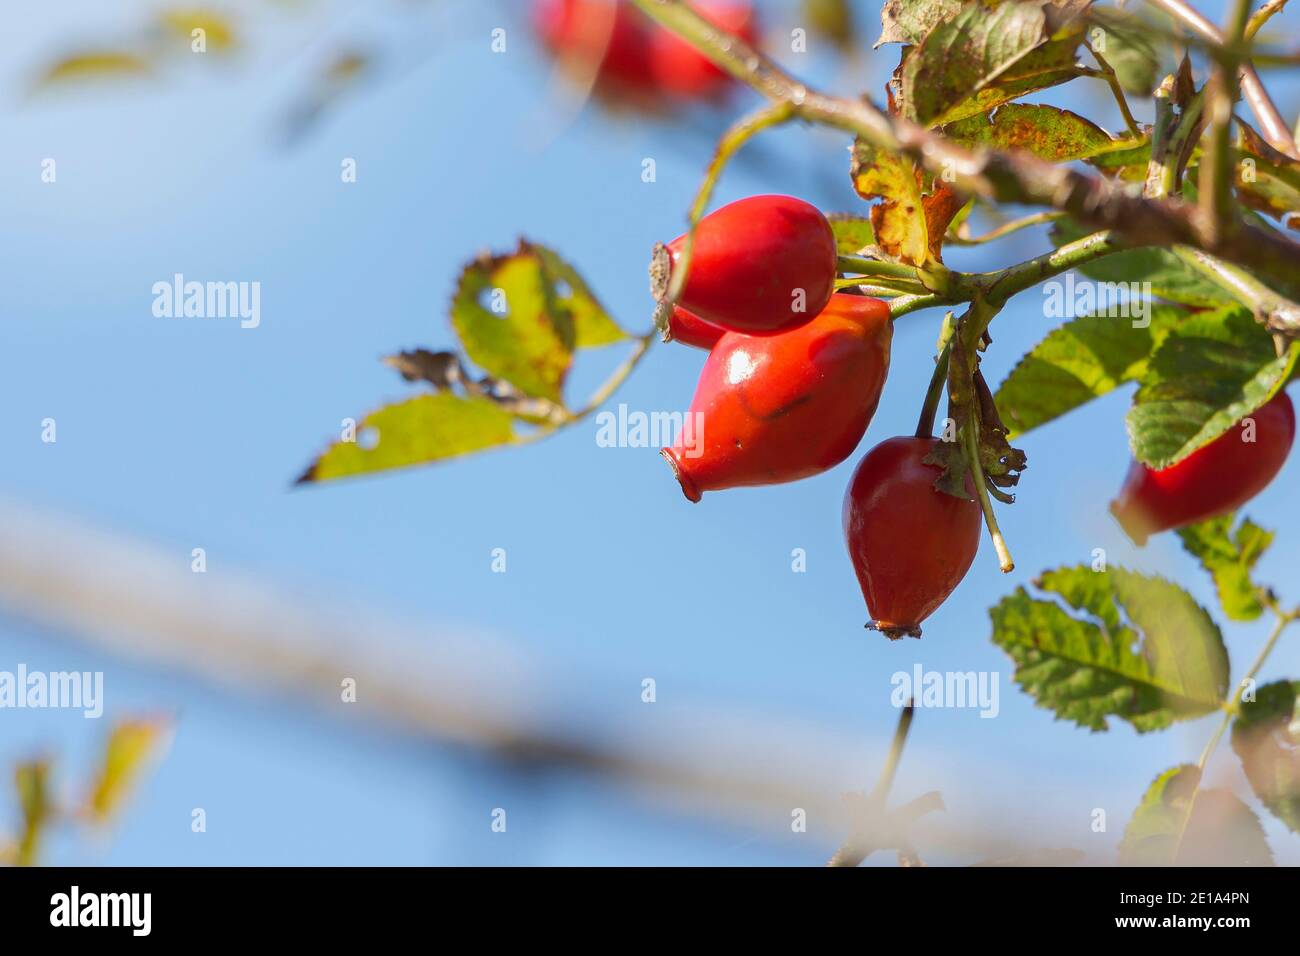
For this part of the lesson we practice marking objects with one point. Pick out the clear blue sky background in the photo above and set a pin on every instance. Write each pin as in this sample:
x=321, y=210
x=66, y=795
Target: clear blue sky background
x=187, y=434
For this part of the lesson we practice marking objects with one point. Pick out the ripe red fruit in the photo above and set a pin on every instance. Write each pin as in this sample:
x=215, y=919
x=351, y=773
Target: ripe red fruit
x=762, y=264
x=690, y=329
x=782, y=407
x=681, y=69
x=611, y=37
x=910, y=544
x=1213, y=480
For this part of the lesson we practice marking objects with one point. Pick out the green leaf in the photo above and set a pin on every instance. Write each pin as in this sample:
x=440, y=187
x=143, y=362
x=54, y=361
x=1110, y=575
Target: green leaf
x=1083, y=359
x=1123, y=645
x=1206, y=376
x=1229, y=556
x=131, y=744
x=418, y=431
x=853, y=234
x=1129, y=43
x=1168, y=276
x=1266, y=737
x=832, y=19
x=513, y=323
x=908, y=21
x=898, y=220
x=983, y=56
x=592, y=325
x=1176, y=824
x=1046, y=131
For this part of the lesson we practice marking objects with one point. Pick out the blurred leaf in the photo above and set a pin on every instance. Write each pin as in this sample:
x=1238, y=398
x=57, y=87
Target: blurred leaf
x=94, y=65
x=513, y=324
x=1082, y=360
x=853, y=234
x=1207, y=375
x=1169, y=277
x=31, y=779
x=983, y=56
x=420, y=430
x=1162, y=661
x=131, y=745
x=1266, y=737
x=1229, y=557
x=898, y=220
x=1127, y=165
x=1129, y=42
x=832, y=19
x=218, y=31
x=593, y=326
x=1170, y=828
x=1046, y=131
x=1266, y=179
x=907, y=21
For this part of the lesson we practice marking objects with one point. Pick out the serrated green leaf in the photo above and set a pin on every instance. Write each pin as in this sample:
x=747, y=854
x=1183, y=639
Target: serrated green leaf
x=1176, y=824
x=1207, y=375
x=1136, y=647
x=420, y=430
x=1229, y=557
x=1046, y=131
x=853, y=234
x=907, y=21
x=131, y=745
x=1082, y=360
x=592, y=325
x=985, y=55
x=1168, y=276
x=1266, y=738
x=511, y=323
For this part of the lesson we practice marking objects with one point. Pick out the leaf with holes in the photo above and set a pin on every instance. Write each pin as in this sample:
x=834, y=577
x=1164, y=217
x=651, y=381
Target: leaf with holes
x=1213, y=370
x=1229, y=556
x=513, y=323
x=418, y=431
x=1266, y=738
x=1082, y=360
x=592, y=325
x=1115, y=644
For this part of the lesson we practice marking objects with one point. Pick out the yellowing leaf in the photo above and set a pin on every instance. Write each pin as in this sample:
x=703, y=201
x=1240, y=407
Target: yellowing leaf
x=131, y=744
x=94, y=65
x=417, y=431
x=898, y=220
x=218, y=32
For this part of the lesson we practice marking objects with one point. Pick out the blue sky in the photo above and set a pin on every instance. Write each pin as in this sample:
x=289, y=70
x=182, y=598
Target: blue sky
x=186, y=434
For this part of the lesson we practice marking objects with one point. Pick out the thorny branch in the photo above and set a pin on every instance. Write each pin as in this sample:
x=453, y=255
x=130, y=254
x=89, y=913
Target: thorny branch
x=1002, y=177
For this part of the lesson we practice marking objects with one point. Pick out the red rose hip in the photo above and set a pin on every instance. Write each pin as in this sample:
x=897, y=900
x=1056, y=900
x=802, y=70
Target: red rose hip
x=762, y=264
x=910, y=543
x=778, y=408
x=690, y=329
x=681, y=69
x=1213, y=480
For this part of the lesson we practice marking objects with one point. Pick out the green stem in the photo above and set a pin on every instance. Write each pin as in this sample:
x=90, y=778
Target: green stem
x=1005, y=229
x=930, y=406
x=1108, y=72
x=861, y=265
x=997, y=287
x=971, y=437
x=1276, y=311
x=732, y=140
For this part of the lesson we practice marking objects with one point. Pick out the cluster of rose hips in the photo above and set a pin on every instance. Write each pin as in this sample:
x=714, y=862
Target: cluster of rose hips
x=631, y=57
x=794, y=374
